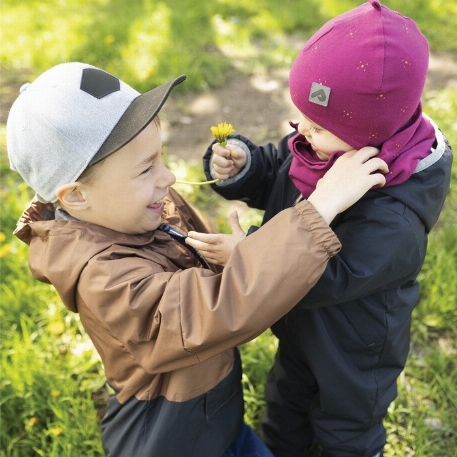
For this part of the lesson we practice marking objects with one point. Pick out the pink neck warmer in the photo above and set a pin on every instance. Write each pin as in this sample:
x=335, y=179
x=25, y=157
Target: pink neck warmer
x=415, y=140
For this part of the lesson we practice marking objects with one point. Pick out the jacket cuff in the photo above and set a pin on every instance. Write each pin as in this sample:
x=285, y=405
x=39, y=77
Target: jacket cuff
x=321, y=231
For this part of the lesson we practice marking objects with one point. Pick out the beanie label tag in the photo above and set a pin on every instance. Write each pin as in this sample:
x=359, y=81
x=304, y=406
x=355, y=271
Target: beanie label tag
x=319, y=94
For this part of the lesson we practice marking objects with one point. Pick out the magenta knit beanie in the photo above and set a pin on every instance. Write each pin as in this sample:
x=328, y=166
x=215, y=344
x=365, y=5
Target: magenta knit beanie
x=362, y=74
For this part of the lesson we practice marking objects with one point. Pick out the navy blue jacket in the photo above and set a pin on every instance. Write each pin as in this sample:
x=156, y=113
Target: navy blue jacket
x=361, y=306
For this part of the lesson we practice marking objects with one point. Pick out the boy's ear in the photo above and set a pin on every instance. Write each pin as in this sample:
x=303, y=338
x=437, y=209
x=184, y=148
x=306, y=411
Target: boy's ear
x=72, y=196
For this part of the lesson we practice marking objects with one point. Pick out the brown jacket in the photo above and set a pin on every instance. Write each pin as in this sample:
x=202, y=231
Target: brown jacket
x=163, y=326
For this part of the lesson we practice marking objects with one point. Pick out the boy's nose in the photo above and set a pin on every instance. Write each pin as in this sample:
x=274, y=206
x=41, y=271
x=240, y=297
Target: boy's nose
x=166, y=179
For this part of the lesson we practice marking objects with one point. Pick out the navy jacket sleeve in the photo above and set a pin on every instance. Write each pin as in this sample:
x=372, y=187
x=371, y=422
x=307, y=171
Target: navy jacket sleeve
x=266, y=160
x=383, y=248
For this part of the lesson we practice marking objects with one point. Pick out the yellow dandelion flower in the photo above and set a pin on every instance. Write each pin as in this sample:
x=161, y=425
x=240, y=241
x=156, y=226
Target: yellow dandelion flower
x=56, y=328
x=55, y=393
x=222, y=131
x=33, y=421
x=109, y=39
x=5, y=250
x=56, y=431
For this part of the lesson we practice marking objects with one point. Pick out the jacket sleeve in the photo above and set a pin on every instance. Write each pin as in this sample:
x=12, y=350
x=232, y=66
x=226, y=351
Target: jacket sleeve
x=256, y=184
x=383, y=246
x=168, y=320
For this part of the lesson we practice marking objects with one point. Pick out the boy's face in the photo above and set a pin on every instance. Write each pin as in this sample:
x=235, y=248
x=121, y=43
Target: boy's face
x=322, y=141
x=127, y=191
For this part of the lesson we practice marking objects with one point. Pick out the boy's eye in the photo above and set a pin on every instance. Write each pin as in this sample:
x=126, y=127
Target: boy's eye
x=144, y=172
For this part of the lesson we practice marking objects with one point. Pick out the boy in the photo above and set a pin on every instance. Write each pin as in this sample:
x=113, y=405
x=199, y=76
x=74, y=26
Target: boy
x=102, y=231
x=357, y=82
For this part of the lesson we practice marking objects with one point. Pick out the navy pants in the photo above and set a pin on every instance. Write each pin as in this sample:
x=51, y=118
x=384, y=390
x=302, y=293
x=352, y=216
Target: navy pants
x=332, y=382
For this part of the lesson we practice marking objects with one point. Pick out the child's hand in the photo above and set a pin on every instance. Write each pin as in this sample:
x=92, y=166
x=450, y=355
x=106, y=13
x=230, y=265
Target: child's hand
x=227, y=160
x=350, y=177
x=216, y=248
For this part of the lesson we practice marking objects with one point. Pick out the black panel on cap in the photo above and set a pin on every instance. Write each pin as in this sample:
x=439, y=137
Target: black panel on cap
x=98, y=83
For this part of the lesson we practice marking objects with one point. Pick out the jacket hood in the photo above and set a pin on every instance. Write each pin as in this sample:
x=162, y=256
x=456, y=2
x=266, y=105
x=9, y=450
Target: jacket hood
x=50, y=240
x=426, y=190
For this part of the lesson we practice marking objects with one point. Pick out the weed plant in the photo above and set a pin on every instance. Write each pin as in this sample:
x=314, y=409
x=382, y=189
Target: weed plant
x=52, y=389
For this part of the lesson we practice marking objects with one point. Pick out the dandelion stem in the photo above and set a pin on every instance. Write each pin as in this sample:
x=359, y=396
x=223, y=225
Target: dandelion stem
x=197, y=183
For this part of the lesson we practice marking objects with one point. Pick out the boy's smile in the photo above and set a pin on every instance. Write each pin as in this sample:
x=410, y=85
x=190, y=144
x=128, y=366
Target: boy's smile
x=127, y=192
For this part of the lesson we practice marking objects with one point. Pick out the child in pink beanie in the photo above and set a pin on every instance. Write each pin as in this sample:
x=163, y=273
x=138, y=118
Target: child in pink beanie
x=357, y=82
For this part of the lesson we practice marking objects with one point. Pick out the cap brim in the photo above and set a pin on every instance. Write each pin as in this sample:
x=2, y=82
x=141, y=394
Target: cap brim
x=135, y=119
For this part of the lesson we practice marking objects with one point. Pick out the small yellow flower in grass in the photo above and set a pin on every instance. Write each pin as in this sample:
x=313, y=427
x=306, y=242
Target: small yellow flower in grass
x=109, y=39
x=222, y=131
x=55, y=393
x=56, y=328
x=4, y=248
x=33, y=420
x=56, y=431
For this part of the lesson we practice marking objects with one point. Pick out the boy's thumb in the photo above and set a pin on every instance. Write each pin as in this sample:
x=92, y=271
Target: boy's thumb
x=235, y=224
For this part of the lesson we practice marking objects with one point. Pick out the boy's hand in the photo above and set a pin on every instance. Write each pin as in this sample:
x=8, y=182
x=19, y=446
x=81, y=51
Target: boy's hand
x=350, y=177
x=227, y=160
x=216, y=248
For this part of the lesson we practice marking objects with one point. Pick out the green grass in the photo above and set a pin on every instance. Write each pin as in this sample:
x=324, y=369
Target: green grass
x=149, y=41
x=51, y=380
x=50, y=375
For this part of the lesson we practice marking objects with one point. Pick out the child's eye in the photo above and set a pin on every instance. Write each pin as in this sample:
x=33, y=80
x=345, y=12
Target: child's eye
x=145, y=172
x=313, y=129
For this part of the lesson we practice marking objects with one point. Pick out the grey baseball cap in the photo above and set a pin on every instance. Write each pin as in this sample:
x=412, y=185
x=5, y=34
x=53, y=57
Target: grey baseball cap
x=72, y=116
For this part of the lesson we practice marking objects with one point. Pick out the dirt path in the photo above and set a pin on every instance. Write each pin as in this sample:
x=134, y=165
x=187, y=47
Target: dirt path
x=258, y=106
